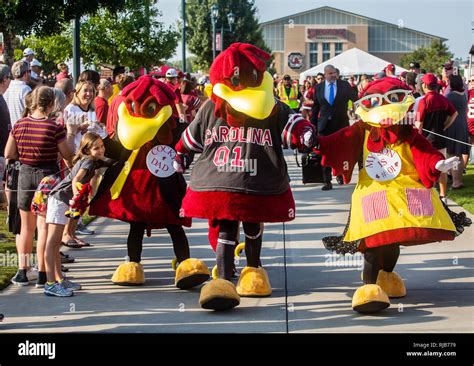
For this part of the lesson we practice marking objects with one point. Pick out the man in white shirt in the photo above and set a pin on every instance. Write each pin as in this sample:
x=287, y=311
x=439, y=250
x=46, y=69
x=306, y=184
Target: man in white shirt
x=17, y=91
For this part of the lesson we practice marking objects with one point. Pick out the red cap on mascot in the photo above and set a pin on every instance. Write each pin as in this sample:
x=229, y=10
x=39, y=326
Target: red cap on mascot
x=240, y=66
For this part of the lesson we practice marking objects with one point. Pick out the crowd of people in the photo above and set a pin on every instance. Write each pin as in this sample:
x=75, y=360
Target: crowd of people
x=52, y=131
x=51, y=139
x=443, y=111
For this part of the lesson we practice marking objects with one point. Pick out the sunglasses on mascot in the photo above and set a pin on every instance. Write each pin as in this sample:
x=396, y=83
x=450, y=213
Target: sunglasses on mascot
x=376, y=100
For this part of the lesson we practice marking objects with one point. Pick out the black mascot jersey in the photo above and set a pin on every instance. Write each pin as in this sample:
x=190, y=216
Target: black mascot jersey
x=245, y=159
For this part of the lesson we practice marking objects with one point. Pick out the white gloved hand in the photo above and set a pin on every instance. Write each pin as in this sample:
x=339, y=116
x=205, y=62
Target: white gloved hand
x=178, y=164
x=308, y=138
x=447, y=164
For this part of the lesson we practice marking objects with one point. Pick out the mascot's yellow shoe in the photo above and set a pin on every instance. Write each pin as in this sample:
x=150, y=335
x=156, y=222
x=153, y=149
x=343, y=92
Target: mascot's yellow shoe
x=391, y=283
x=191, y=272
x=370, y=299
x=219, y=294
x=129, y=274
x=254, y=282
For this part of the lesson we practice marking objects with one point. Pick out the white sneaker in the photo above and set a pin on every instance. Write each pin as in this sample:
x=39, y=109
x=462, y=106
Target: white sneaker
x=32, y=274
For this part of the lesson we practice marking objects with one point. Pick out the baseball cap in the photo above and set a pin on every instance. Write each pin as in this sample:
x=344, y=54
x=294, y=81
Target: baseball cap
x=429, y=79
x=171, y=73
x=19, y=68
x=28, y=52
x=414, y=65
x=35, y=62
x=286, y=77
x=390, y=67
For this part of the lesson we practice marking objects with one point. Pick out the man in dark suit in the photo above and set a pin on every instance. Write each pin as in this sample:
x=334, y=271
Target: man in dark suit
x=330, y=110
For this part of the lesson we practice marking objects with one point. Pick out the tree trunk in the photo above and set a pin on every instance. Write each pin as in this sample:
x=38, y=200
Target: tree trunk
x=8, y=38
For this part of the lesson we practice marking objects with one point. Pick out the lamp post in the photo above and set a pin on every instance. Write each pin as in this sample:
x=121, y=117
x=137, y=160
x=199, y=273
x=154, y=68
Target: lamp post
x=214, y=15
x=230, y=20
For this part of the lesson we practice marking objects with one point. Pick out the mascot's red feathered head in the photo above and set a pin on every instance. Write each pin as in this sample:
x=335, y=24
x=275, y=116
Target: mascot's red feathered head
x=241, y=86
x=383, y=106
x=384, y=102
x=145, y=112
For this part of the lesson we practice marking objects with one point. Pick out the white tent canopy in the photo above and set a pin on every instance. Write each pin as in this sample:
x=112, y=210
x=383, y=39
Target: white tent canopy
x=352, y=62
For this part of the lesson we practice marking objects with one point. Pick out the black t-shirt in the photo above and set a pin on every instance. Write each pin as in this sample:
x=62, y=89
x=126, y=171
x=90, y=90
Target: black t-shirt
x=246, y=159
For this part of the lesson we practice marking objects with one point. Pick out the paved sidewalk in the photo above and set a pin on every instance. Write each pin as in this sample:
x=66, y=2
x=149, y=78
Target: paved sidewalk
x=439, y=279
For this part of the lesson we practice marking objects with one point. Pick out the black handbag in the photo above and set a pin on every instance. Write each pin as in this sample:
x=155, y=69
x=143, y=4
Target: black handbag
x=312, y=168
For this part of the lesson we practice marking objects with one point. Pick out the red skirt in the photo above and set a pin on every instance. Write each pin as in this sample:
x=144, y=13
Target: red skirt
x=141, y=199
x=407, y=236
x=239, y=206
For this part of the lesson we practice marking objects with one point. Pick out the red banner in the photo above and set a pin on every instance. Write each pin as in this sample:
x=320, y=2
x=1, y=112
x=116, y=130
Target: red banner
x=341, y=33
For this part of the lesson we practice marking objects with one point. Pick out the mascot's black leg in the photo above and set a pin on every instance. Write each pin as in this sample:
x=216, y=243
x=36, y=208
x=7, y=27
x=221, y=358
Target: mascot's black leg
x=225, y=248
x=372, y=264
x=180, y=242
x=390, y=256
x=135, y=241
x=253, y=243
x=220, y=293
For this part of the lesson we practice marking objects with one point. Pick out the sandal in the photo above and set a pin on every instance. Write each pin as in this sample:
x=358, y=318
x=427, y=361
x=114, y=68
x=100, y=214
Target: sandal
x=82, y=243
x=72, y=244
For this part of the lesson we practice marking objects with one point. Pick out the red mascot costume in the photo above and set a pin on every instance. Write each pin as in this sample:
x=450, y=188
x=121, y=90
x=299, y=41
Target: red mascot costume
x=393, y=203
x=142, y=188
x=241, y=174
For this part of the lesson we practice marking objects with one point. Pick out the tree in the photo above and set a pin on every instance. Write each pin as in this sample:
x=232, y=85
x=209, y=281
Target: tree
x=199, y=27
x=131, y=37
x=43, y=17
x=430, y=58
x=178, y=64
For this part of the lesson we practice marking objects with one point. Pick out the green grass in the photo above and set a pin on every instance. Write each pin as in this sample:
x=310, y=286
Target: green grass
x=7, y=250
x=465, y=197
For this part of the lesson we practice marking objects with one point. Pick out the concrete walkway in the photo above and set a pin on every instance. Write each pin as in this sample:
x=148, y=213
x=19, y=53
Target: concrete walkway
x=319, y=286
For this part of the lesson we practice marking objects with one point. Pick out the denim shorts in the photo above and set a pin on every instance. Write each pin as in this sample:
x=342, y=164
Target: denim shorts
x=29, y=179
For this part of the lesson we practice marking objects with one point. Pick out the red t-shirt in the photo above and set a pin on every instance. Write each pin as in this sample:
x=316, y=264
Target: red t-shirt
x=433, y=110
x=62, y=75
x=193, y=103
x=101, y=109
x=434, y=102
x=470, y=111
x=112, y=115
x=37, y=140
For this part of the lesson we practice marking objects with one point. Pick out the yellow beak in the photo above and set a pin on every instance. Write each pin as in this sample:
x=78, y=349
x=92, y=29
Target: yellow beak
x=133, y=132
x=385, y=115
x=256, y=102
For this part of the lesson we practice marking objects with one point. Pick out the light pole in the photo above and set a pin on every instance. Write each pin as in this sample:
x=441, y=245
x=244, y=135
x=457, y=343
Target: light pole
x=230, y=20
x=183, y=39
x=214, y=15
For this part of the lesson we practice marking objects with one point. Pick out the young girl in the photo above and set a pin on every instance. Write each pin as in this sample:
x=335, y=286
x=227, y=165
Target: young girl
x=88, y=159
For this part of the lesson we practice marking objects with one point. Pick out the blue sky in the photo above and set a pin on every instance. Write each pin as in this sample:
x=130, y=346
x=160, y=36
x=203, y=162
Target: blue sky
x=451, y=19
